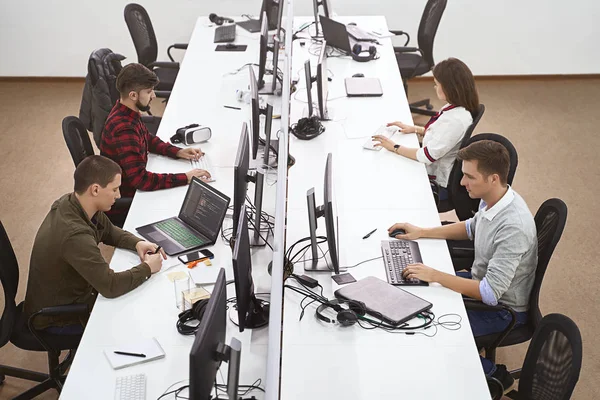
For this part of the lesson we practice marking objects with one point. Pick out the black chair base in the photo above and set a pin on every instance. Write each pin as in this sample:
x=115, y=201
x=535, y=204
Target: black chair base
x=415, y=108
x=46, y=381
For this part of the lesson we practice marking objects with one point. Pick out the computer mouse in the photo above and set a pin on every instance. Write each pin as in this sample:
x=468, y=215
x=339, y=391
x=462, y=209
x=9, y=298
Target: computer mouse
x=352, y=23
x=359, y=75
x=397, y=232
x=230, y=46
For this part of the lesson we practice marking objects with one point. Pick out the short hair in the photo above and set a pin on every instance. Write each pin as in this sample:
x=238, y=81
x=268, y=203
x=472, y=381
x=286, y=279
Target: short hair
x=457, y=83
x=492, y=158
x=135, y=77
x=95, y=169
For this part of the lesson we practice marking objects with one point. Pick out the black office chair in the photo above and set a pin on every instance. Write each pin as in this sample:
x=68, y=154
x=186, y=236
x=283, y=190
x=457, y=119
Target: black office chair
x=550, y=221
x=79, y=145
x=417, y=61
x=552, y=363
x=16, y=328
x=146, y=46
x=446, y=205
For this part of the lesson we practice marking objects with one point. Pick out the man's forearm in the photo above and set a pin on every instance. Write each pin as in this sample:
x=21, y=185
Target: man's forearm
x=457, y=231
x=465, y=286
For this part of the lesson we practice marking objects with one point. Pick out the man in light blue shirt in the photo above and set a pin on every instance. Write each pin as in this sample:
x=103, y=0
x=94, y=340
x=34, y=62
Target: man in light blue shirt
x=505, y=246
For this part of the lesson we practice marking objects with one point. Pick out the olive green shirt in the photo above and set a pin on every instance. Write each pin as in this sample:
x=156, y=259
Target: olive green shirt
x=67, y=267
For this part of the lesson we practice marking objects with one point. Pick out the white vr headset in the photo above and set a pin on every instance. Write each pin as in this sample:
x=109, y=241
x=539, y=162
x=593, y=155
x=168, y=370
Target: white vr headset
x=191, y=134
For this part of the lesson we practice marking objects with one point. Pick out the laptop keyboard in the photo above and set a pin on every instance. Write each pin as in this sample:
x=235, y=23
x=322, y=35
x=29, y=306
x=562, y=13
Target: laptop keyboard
x=397, y=255
x=179, y=233
x=225, y=33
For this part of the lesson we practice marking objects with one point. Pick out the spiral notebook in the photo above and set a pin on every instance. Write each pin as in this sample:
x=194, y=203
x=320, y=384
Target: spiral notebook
x=149, y=347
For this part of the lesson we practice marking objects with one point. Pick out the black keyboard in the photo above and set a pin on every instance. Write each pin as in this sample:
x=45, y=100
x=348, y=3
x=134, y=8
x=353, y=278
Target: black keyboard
x=397, y=254
x=225, y=33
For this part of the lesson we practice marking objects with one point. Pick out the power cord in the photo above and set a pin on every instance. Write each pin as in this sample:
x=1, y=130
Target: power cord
x=307, y=128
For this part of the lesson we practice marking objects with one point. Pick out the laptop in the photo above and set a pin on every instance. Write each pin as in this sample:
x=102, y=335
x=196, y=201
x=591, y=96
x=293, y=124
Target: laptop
x=384, y=301
x=197, y=225
x=363, y=87
x=358, y=34
x=335, y=34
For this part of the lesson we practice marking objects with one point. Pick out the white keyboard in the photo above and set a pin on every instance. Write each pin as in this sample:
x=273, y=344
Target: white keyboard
x=131, y=387
x=387, y=131
x=202, y=163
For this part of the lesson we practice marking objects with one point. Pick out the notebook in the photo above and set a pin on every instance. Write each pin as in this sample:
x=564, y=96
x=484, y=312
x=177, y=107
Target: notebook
x=203, y=274
x=382, y=300
x=149, y=347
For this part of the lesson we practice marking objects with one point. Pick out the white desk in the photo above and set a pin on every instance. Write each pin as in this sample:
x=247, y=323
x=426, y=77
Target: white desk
x=199, y=94
x=373, y=190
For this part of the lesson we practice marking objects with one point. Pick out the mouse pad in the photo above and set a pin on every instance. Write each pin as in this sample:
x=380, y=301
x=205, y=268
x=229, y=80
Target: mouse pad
x=343, y=279
x=238, y=47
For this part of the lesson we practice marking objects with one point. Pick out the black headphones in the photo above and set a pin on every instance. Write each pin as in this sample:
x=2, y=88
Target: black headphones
x=307, y=128
x=357, y=50
x=345, y=316
x=194, y=313
x=219, y=20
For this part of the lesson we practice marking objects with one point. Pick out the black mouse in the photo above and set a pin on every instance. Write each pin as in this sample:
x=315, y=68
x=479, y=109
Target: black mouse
x=230, y=46
x=352, y=23
x=397, y=232
x=359, y=75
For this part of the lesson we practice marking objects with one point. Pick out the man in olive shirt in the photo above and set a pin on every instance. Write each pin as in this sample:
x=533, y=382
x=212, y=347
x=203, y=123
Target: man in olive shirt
x=66, y=265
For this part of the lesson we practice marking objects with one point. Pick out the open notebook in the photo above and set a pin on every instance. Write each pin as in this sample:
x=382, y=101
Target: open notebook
x=149, y=347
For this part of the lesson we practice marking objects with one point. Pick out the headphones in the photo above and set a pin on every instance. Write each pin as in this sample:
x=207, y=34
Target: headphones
x=307, y=128
x=345, y=316
x=194, y=313
x=358, y=49
x=219, y=20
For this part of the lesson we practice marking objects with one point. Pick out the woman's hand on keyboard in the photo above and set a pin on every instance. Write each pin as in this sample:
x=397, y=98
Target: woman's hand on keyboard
x=199, y=173
x=190, y=154
x=404, y=128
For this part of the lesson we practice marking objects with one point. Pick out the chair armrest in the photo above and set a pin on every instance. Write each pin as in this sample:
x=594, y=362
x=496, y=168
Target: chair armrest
x=178, y=46
x=476, y=305
x=71, y=309
x=463, y=252
x=164, y=94
x=404, y=49
x=402, y=33
x=163, y=64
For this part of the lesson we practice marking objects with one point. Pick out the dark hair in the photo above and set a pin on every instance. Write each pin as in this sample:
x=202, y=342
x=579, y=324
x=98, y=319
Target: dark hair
x=492, y=158
x=135, y=77
x=95, y=169
x=457, y=83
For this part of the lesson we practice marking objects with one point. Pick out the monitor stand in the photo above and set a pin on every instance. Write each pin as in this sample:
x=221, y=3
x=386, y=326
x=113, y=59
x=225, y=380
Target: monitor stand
x=315, y=265
x=316, y=113
x=267, y=88
x=259, y=314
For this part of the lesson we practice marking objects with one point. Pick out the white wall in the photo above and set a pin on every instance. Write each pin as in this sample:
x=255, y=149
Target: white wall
x=494, y=37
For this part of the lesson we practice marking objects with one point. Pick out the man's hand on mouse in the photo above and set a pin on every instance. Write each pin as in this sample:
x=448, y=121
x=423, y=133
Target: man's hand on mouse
x=412, y=232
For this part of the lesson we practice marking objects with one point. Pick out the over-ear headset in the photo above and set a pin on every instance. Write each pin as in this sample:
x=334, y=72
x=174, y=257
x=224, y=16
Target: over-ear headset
x=357, y=51
x=345, y=316
x=194, y=313
x=219, y=20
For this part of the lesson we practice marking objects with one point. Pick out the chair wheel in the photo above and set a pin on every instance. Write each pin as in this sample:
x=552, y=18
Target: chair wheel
x=429, y=107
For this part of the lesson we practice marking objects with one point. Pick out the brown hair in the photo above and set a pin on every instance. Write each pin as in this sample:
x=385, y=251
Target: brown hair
x=135, y=77
x=492, y=158
x=95, y=169
x=457, y=83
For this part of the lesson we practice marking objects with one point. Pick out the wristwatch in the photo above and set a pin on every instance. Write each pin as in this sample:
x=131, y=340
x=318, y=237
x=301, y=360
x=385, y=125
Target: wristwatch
x=396, y=147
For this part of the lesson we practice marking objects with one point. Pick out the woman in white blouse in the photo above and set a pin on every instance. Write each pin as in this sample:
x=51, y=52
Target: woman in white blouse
x=442, y=135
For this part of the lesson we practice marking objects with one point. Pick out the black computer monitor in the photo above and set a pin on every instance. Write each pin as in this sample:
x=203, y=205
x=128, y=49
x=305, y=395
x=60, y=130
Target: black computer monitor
x=327, y=11
x=322, y=90
x=256, y=111
x=264, y=48
x=209, y=349
x=273, y=10
x=308, y=79
x=262, y=53
x=240, y=176
x=327, y=210
x=252, y=313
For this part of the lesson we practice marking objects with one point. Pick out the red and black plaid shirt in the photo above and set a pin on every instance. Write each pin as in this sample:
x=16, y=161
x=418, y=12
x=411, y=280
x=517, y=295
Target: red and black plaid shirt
x=126, y=140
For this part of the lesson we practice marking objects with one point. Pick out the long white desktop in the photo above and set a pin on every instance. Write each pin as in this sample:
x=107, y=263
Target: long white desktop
x=372, y=190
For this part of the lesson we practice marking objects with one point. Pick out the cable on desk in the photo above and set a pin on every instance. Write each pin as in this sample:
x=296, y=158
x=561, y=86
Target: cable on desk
x=362, y=262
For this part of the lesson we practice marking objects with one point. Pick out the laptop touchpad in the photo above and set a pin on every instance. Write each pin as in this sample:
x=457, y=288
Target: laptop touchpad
x=157, y=236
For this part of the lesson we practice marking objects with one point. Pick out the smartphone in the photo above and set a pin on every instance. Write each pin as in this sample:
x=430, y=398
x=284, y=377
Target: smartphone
x=195, y=255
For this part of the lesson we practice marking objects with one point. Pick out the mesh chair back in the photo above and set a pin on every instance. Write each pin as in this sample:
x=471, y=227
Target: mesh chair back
x=142, y=33
x=464, y=205
x=77, y=139
x=550, y=221
x=553, y=361
x=9, y=278
x=430, y=21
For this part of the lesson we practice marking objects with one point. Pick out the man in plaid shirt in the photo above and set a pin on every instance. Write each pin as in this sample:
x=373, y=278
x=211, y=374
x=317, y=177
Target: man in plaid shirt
x=126, y=140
